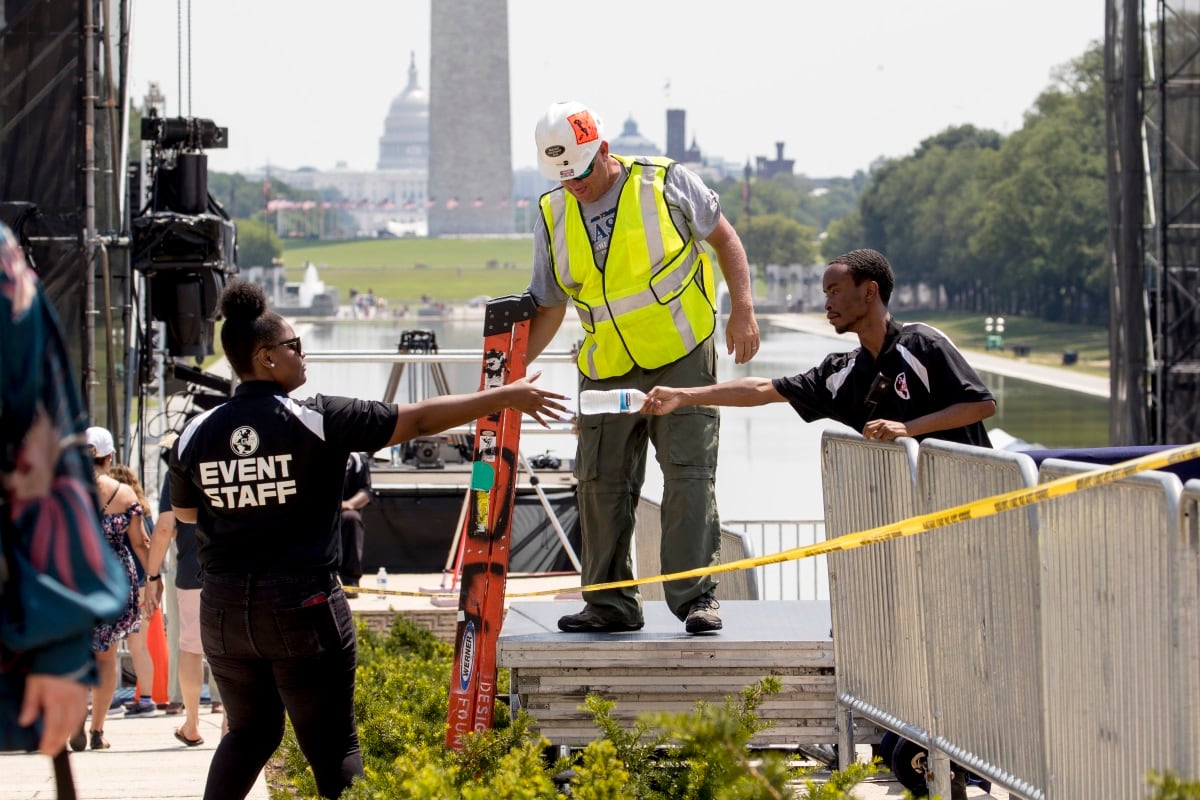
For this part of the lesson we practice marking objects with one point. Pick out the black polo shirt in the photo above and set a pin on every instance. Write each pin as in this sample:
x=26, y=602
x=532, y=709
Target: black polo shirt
x=921, y=372
x=265, y=474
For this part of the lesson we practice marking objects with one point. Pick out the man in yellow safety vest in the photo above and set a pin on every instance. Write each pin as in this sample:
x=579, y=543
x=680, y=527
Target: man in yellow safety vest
x=620, y=240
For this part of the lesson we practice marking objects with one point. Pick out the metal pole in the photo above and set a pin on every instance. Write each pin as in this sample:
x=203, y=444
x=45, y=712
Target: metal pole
x=87, y=357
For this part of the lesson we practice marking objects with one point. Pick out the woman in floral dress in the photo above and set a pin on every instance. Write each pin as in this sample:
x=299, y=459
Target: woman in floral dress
x=119, y=505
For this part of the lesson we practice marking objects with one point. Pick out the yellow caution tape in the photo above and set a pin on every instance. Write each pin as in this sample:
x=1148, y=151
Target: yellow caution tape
x=977, y=509
x=402, y=593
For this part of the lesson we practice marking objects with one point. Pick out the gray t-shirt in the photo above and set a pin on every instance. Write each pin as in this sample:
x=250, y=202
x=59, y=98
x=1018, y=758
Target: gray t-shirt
x=692, y=204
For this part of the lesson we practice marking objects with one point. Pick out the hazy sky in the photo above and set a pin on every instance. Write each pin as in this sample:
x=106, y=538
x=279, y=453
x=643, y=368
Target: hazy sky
x=840, y=82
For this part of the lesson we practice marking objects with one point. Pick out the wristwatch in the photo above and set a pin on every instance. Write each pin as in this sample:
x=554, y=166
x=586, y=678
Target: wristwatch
x=153, y=578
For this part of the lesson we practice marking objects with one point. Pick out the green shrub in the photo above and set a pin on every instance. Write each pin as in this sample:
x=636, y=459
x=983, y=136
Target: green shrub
x=401, y=699
x=1169, y=786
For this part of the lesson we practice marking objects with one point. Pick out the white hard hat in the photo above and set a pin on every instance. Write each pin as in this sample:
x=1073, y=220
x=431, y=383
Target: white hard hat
x=568, y=136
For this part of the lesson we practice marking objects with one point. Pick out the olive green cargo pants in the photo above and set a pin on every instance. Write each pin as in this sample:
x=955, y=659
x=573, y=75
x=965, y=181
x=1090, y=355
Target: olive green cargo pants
x=610, y=467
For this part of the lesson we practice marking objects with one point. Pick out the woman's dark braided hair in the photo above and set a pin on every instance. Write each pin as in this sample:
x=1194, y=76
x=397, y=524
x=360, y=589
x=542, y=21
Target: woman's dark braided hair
x=249, y=324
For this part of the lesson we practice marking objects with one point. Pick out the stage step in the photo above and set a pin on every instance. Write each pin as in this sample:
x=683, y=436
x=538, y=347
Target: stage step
x=663, y=668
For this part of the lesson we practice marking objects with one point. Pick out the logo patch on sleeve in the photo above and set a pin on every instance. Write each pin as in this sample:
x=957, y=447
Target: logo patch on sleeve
x=901, y=386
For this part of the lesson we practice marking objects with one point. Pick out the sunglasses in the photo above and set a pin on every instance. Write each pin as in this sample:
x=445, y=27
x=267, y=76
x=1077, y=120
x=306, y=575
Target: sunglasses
x=293, y=344
x=583, y=175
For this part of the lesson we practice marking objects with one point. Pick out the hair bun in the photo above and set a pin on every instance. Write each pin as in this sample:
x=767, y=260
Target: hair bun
x=243, y=300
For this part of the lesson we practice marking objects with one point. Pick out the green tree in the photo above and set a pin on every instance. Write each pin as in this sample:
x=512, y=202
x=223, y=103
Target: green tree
x=775, y=239
x=918, y=209
x=814, y=204
x=257, y=243
x=844, y=234
x=240, y=198
x=1044, y=219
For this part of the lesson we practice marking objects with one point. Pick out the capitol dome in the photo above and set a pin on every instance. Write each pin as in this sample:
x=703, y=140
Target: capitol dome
x=405, y=140
x=632, y=143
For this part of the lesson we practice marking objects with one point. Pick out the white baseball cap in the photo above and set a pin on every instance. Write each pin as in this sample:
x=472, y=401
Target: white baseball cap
x=568, y=136
x=101, y=441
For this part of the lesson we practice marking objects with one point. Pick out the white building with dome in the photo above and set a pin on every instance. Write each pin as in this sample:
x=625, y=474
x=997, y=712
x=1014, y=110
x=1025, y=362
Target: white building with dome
x=632, y=143
x=391, y=200
x=405, y=140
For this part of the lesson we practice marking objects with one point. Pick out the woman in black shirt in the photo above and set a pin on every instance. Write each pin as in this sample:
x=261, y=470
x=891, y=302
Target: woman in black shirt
x=261, y=476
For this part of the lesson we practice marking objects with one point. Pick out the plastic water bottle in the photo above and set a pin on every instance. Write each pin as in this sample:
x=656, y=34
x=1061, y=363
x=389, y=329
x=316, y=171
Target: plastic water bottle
x=381, y=582
x=611, y=401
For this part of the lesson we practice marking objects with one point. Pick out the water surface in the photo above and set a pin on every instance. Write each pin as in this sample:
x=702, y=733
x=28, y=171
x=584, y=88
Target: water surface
x=769, y=463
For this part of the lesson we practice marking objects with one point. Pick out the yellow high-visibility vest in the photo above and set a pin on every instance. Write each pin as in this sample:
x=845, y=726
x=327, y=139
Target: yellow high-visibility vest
x=654, y=301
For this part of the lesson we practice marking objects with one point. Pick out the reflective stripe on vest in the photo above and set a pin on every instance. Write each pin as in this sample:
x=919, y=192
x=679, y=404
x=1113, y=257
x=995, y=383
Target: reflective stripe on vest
x=653, y=302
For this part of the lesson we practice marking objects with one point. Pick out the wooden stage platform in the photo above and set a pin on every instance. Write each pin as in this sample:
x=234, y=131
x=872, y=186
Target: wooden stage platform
x=663, y=668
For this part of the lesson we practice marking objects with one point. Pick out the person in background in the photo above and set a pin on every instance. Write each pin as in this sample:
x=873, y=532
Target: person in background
x=119, y=507
x=261, y=476
x=148, y=644
x=54, y=556
x=356, y=495
x=904, y=379
x=622, y=240
x=187, y=582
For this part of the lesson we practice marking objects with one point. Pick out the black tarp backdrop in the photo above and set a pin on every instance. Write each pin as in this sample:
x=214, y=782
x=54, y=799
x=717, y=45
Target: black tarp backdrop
x=43, y=157
x=411, y=531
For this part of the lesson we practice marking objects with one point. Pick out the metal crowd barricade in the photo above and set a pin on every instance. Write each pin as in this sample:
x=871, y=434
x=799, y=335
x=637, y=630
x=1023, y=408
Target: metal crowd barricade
x=878, y=639
x=803, y=579
x=1110, y=559
x=1053, y=648
x=1187, y=633
x=979, y=588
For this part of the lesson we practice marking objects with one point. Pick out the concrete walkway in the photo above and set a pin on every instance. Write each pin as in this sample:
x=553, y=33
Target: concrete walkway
x=144, y=762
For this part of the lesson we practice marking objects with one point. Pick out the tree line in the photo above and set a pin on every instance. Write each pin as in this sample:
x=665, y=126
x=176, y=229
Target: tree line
x=1011, y=224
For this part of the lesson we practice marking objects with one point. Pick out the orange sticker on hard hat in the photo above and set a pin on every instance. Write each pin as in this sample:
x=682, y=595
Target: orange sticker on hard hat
x=584, y=126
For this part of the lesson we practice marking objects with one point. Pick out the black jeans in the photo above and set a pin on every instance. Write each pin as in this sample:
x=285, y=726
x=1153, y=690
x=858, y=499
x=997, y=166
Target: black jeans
x=276, y=643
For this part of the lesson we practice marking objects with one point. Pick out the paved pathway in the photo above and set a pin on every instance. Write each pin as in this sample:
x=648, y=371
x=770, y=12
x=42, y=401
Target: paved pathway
x=145, y=762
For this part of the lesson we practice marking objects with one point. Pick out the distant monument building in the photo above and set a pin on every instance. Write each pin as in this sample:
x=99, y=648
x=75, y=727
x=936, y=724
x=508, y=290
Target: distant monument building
x=632, y=143
x=677, y=136
x=388, y=201
x=768, y=168
x=470, y=156
x=405, y=140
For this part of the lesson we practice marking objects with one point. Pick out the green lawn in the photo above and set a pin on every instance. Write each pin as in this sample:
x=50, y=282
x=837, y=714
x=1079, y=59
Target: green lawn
x=1046, y=340
x=405, y=270
x=454, y=270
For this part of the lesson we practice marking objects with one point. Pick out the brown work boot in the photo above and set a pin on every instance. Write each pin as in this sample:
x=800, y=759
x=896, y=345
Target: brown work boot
x=703, y=616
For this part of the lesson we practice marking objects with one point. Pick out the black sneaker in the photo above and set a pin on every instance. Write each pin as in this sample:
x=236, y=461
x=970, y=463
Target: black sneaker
x=143, y=708
x=587, y=622
x=703, y=616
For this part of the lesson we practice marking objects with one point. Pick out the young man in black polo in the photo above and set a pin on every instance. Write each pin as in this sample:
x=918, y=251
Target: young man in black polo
x=904, y=379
